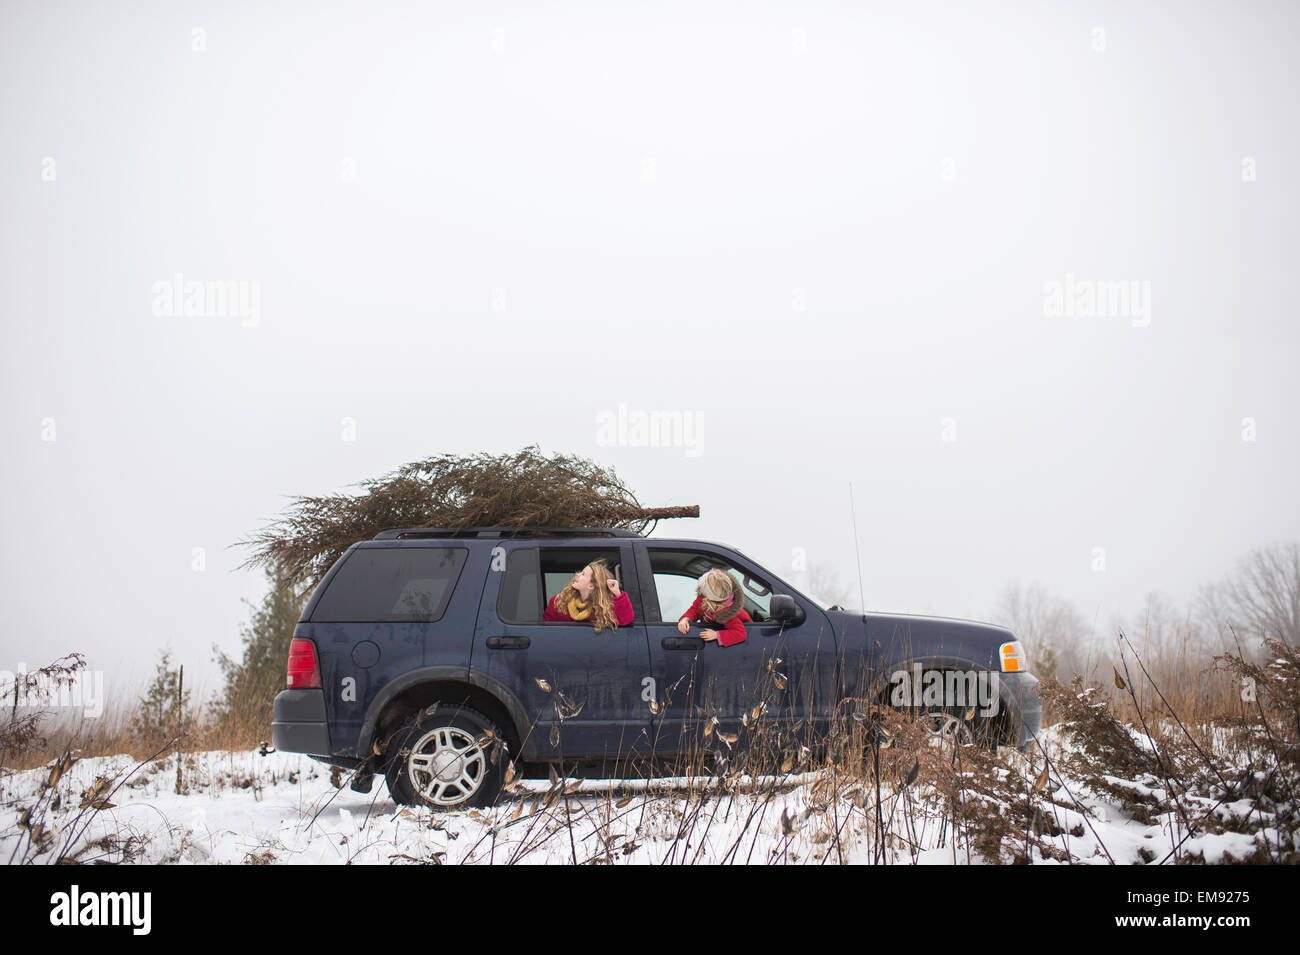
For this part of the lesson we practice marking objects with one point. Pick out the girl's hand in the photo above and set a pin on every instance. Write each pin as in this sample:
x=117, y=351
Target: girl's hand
x=613, y=587
x=708, y=635
x=683, y=626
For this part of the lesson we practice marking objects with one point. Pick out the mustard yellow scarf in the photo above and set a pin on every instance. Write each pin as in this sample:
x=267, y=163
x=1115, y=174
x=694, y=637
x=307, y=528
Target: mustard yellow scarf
x=578, y=610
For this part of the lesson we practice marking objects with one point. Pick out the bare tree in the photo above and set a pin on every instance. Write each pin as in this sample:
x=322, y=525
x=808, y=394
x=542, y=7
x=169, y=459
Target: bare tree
x=1260, y=598
x=824, y=583
x=1055, y=634
x=1173, y=642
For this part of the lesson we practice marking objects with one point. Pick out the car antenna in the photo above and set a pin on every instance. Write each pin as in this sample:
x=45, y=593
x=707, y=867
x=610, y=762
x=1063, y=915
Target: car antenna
x=857, y=551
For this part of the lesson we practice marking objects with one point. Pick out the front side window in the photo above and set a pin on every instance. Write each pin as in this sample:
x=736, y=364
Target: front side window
x=677, y=572
x=392, y=585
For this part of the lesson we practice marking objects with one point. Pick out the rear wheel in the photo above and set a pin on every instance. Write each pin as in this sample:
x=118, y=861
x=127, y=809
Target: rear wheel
x=450, y=759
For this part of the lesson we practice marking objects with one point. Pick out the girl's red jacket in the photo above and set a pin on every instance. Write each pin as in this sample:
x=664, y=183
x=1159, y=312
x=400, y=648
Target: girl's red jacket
x=729, y=633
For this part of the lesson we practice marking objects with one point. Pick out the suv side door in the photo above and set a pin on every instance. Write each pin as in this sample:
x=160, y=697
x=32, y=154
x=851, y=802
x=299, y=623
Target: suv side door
x=600, y=674
x=787, y=668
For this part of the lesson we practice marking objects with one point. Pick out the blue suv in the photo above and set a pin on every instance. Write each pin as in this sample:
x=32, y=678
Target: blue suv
x=423, y=655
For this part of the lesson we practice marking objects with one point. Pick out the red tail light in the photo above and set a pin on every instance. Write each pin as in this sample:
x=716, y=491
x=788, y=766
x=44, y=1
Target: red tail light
x=304, y=670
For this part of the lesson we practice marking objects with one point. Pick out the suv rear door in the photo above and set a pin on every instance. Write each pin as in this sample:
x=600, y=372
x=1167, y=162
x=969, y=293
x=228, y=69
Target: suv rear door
x=600, y=674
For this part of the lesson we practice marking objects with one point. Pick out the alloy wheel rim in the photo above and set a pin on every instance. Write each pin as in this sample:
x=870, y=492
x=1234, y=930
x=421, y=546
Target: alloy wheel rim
x=947, y=730
x=446, y=766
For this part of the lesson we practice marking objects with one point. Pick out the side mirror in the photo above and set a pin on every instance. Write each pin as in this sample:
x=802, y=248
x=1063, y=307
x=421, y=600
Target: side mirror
x=783, y=609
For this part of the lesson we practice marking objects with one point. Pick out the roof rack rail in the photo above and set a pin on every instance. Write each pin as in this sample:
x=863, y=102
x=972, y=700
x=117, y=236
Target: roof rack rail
x=408, y=533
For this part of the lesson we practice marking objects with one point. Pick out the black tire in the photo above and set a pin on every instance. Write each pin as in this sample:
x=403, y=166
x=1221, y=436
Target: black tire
x=950, y=725
x=452, y=758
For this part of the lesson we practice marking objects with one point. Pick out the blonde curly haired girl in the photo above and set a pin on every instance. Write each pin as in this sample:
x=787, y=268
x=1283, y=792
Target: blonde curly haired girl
x=592, y=595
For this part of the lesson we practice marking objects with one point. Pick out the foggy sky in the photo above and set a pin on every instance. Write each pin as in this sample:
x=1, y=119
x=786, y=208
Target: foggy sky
x=833, y=238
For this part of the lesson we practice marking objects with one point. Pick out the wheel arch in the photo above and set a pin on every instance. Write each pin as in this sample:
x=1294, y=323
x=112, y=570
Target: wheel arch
x=455, y=686
x=882, y=685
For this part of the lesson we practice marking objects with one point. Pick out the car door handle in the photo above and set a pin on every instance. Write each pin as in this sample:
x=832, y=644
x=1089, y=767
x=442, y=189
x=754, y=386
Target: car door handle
x=682, y=643
x=508, y=643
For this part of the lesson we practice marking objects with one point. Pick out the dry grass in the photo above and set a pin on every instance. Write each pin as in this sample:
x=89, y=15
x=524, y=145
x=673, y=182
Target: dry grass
x=877, y=790
x=111, y=734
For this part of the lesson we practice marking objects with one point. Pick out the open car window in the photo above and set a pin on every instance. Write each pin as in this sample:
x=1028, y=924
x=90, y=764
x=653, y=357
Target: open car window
x=534, y=575
x=558, y=565
x=676, y=574
x=675, y=595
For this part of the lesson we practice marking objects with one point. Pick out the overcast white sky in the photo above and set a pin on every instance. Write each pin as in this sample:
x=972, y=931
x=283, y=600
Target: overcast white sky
x=826, y=234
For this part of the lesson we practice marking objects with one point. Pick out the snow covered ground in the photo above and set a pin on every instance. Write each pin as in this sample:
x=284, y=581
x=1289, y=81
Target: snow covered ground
x=245, y=808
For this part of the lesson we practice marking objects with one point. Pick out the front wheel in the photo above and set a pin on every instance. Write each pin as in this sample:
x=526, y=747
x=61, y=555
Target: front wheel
x=447, y=759
x=946, y=729
x=950, y=728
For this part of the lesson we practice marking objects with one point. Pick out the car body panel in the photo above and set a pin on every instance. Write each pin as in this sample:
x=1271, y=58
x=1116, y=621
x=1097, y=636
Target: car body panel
x=803, y=671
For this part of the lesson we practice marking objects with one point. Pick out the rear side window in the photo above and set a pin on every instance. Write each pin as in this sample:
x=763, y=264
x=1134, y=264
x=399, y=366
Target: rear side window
x=392, y=585
x=534, y=575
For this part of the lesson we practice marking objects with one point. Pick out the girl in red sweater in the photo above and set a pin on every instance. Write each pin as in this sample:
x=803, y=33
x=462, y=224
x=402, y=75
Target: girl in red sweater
x=718, y=602
x=593, y=595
